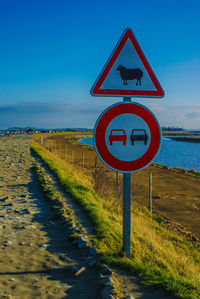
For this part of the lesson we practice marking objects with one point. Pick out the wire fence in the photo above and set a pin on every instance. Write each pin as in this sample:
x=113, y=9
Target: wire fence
x=106, y=182
x=166, y=192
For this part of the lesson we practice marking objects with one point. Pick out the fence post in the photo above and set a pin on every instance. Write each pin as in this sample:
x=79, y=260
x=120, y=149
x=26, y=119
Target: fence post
x=72, y=156
x=95, y=165
x=117, y=180
x=53, y=147
x=83, y=159
x=150, y=192
x=66, y=152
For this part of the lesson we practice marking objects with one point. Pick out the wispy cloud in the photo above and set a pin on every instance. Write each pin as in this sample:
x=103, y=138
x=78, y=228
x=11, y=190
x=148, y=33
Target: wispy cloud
x=28, y=108
x=49, y=115
x=85, y=114
x=192, y=115
x=186, y=116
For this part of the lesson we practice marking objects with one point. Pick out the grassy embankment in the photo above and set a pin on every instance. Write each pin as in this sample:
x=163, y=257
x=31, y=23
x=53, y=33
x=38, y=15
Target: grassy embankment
x=161, y=257
x=182, y=136
x=179, y=133
x=195, y=139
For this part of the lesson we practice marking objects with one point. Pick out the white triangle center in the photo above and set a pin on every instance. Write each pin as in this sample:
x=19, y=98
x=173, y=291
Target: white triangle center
x=136, y=79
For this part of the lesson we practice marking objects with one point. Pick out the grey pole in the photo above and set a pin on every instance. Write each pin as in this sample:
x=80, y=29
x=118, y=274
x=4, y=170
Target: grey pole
x=127, y=214
x=127, y=208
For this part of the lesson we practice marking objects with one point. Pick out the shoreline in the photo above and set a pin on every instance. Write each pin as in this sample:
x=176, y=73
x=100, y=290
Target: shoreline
x=194, y=139
x=188, y=171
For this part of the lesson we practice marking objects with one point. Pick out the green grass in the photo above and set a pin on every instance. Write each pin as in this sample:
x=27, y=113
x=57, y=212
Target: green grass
x=178, y=133
x=159, y=256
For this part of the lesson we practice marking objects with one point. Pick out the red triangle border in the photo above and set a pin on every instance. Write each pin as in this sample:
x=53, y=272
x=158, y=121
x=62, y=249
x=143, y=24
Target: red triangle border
x=96, y=89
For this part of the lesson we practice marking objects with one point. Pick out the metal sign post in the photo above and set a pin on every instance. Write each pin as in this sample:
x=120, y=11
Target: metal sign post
x=127, y=208
x=127, y=136
x=127, y=139
x=127, y=214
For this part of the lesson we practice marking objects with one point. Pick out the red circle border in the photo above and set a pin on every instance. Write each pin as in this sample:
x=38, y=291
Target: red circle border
x=100, y=132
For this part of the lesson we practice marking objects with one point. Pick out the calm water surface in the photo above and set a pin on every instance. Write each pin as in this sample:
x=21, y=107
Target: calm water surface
x=173, y=153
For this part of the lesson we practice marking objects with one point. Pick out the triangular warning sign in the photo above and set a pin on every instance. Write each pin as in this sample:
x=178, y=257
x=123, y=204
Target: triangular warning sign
x=127, y=72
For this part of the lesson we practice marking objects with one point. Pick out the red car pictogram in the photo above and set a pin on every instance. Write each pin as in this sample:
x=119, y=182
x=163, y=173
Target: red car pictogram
x=117, y=135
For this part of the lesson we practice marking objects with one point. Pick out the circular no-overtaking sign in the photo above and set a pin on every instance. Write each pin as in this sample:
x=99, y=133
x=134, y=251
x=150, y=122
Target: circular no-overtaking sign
x=127, y=137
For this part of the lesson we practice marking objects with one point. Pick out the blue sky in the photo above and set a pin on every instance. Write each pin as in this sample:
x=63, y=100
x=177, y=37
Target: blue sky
x=51, y=52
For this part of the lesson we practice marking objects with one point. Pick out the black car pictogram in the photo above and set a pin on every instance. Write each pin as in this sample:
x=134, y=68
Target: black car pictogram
x=138, y=135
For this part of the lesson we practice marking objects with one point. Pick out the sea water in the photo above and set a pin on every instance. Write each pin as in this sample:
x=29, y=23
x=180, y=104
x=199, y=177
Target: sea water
x=172, y=153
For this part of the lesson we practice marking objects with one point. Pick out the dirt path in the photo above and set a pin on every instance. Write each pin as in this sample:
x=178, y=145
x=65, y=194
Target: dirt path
x=35, y=260
x=79, y=214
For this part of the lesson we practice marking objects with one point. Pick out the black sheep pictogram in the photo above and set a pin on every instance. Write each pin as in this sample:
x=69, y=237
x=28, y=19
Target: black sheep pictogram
x=130, y=74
